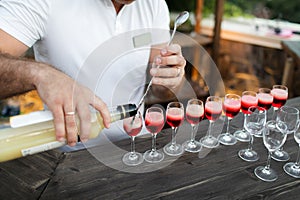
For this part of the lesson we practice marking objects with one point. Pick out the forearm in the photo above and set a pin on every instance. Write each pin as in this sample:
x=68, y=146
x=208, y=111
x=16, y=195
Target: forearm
x=17, y=75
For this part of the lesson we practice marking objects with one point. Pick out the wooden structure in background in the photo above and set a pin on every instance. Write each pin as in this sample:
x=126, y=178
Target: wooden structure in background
x=292, y=50
x=219, y=10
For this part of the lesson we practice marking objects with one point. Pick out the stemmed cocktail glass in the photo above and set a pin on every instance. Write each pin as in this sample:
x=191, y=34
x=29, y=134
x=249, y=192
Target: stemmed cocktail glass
x=194, y=114
x=248, y=99
x=293, y=168
x=255, y=121
x=231, y=107
x=274, y=136
x=175, y=117
x=133, y=127
x=213, y=110
x=290, y=116
x=154, y=122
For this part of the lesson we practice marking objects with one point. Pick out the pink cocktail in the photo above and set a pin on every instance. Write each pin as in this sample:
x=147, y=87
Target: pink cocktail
x=280, y=97
x=265, y=100
x=213, y=110
x=247, y=102
x=194, y=114
x=154, y=122
x=231, y=107
x=248, y=99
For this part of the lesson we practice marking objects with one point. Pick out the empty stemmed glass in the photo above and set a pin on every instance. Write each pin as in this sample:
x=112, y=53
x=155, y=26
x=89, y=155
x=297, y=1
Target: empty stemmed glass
x=133, y=127
x=175, y=117
x=280, y=95
x=213, y=110
x=248, y=99
x=289, y=116
x=154, y=122
x=255, y=121
x=274, y=136
x=231, y=107
x=293, y=168
x=194, y=114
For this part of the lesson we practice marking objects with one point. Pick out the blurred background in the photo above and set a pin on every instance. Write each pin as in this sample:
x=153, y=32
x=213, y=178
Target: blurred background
x=244, y=38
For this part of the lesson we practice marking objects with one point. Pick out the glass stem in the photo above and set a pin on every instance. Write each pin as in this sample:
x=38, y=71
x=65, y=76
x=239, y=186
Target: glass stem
x=268, y=161
x=244, y=124
x=174, y=131
x=153, y=143
x=250, y=142
x=209, y=128
x=193, y=133
x=228, y=120
x=298, y=158
x=132, y=144
x=274, y=113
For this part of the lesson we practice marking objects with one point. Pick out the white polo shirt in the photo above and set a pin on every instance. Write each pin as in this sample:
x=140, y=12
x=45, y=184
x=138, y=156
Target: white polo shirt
x=70, y=34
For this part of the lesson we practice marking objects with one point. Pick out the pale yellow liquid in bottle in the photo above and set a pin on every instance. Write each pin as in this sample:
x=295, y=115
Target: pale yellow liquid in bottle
x=28, y=140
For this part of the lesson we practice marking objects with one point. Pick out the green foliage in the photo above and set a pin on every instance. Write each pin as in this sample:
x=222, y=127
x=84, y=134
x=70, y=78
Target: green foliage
x=287, y=10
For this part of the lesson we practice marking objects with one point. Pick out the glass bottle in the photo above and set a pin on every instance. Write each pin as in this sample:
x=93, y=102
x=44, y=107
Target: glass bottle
x=36, y=138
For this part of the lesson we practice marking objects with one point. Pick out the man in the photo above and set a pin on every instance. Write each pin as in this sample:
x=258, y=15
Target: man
x=63, y=34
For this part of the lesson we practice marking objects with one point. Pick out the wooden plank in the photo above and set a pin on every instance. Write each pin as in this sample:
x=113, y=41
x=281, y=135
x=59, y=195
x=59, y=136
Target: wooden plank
x=25, y=178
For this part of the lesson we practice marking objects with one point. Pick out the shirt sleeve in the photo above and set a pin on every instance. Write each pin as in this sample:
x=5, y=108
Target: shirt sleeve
x=24, y=19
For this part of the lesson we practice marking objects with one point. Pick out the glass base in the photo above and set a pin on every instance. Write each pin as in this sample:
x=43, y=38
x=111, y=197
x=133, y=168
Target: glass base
x=173, y=150
x=227, y=139
x=242, y=136
x=292, y=169
x=132, y=159
x=248, y=155
x=280, y=155
x=209, y=142
x=153, y=156
x=265, y=174
x=192, y=146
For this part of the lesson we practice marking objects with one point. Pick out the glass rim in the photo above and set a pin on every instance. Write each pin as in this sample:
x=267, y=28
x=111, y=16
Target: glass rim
x=248, y=92
x=291, y=108
x=196, y=100
x=280, y=86
x=236, y=95
x=267, y=89
x=259, y=108
x=175, y=103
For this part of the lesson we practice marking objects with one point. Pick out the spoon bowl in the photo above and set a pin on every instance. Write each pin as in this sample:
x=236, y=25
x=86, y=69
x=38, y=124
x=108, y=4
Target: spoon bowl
x=180, y=19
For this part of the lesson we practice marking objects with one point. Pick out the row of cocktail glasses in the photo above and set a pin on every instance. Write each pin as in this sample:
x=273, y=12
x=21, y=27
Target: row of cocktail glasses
x=253, y=105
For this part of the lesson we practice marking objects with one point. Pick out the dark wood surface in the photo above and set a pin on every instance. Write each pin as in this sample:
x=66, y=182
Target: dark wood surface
x=218, y=174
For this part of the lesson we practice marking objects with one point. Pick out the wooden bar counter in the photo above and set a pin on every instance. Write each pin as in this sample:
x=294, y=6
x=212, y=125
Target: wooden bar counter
x=213, y=174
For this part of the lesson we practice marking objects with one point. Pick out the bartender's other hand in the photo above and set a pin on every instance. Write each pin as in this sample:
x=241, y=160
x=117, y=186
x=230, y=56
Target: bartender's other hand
x=171, y=67
x=67, y=99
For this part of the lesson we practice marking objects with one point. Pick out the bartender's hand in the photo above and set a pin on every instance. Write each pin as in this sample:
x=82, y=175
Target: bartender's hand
x=66, y=98
x=172, y=75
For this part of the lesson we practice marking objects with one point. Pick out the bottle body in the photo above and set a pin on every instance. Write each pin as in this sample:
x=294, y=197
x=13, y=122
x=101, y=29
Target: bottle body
x=32, y=139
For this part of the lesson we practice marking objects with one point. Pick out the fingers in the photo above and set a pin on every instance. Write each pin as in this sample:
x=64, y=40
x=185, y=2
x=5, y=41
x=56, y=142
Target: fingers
x=169, y=82
x=59, y=123
x=167, y=72
x=102, y=108
x=171, y=67
x=85, y=121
